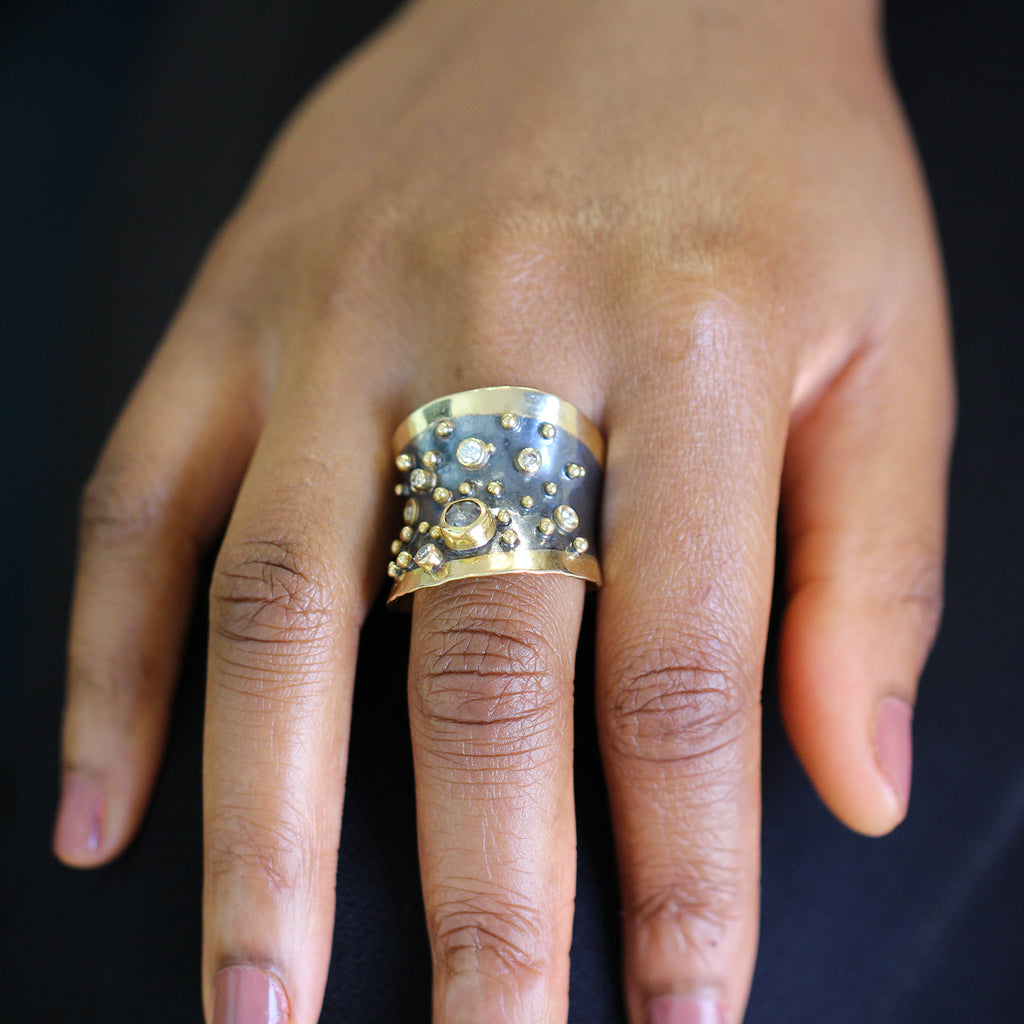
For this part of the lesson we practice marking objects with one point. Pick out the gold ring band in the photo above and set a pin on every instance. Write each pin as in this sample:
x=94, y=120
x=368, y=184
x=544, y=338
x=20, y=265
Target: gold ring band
x=496, y=480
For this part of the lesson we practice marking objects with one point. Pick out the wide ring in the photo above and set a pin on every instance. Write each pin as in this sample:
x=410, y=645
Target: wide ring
x=496, y=480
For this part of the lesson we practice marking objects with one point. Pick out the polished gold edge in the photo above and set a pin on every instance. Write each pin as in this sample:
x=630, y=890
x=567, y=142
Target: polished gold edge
x=497, y=400
x=496, y=563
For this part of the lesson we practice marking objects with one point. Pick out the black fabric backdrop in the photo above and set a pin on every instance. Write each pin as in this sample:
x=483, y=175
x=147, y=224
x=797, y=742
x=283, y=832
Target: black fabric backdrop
x=128, y=132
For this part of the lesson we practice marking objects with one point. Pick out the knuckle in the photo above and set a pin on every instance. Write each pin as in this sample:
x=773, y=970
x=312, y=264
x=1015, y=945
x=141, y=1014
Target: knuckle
x=915, y=584
x=708, y=330
x=516, y=263
x=682, y=701
x=117, y=508
x=105, y=689
x=519, y=264
x=691, y=907
x=486, y=673
x=476, y=932
x=507, y=241
x=274, y=855
x=273, y=591
x=716, y=314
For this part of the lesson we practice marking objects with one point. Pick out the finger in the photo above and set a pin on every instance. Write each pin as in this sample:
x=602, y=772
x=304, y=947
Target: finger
x=491, y=671
x=161, y=489
x=864, y=503
x=289, y=592
x=691, y=497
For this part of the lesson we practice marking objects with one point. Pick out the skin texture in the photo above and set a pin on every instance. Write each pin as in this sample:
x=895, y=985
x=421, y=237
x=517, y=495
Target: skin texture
x=702, y=223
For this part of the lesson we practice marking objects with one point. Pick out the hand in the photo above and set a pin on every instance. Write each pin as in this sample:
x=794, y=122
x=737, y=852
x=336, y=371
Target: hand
x=703, y=223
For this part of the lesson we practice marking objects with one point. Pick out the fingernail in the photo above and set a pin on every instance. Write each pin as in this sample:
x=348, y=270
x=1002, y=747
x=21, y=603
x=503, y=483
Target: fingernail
x=247, y=995
x=684, y=1010
x=893, y=744
x=79, y=826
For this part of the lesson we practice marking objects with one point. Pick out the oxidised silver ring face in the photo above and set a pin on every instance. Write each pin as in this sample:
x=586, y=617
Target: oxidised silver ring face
x=496, y=480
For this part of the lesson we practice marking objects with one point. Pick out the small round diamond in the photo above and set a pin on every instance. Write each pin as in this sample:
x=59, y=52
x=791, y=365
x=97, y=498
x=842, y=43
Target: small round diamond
x=547, y=431
x=509, y=420
x=473, y=453
x=546, y=526
x=526, y=501
x=551, y=488
x=575, y=471
x=566, y=518
x=429, y=557
x=422, y=480
x=528, y=461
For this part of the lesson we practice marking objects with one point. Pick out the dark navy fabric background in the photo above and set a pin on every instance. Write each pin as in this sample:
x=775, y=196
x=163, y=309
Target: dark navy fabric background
x=127, y=131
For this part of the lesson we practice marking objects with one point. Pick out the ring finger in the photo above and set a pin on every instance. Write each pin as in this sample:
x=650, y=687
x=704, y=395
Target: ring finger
x=491, y=710
x=491, y=676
